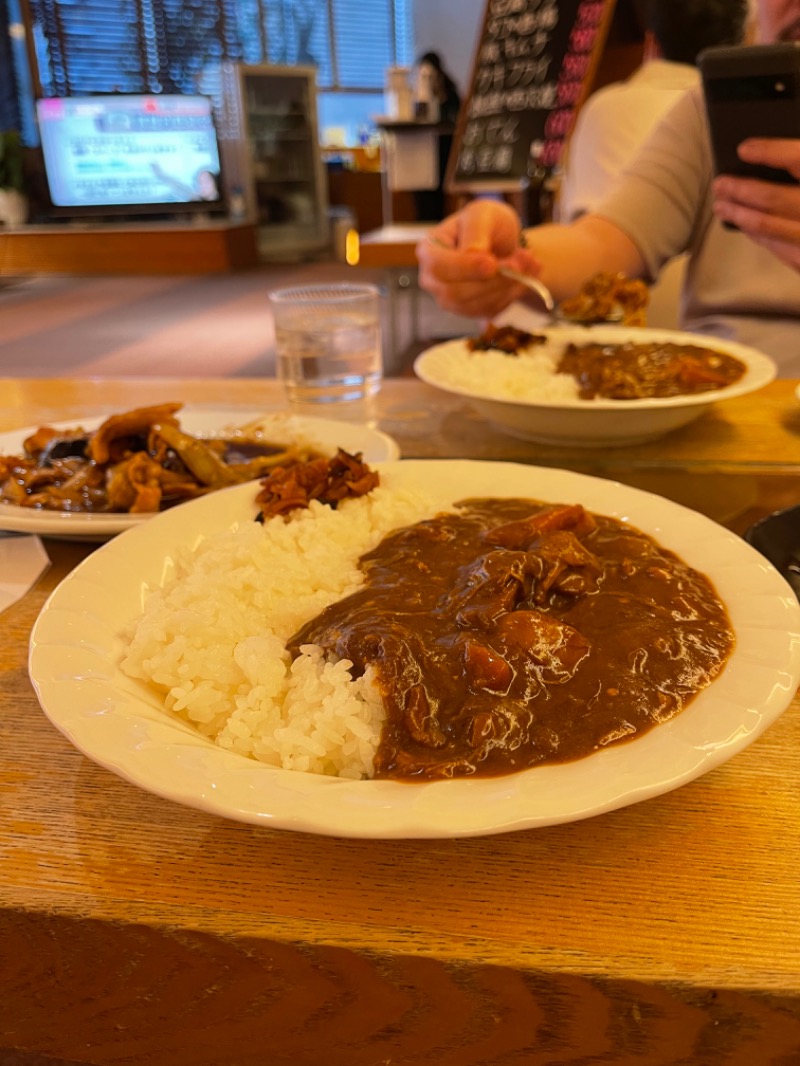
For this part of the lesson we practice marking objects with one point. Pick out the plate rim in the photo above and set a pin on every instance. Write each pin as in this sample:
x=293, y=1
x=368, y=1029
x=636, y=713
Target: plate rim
x=422, y=814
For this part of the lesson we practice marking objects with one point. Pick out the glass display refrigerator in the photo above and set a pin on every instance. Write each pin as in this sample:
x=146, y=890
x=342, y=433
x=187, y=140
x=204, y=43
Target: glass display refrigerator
x=271, y=157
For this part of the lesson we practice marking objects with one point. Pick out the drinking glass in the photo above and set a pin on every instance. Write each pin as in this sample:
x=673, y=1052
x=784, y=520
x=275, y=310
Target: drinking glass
x=328, y=345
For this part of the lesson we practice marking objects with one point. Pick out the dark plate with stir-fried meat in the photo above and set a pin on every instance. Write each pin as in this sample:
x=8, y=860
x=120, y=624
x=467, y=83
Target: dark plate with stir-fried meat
x=93, y=478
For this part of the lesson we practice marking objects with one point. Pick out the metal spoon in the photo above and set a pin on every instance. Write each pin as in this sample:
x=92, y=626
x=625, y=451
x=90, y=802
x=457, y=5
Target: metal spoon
x=555, y=312
x=541, y=290
x=536, y=286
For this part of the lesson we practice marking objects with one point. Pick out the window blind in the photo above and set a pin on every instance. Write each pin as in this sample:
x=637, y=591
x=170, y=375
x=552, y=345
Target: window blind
x=86, y=46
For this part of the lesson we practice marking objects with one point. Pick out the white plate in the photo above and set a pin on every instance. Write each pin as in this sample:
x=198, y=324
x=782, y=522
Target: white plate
x=75, y=651
x=326, y=433
x=589, y=423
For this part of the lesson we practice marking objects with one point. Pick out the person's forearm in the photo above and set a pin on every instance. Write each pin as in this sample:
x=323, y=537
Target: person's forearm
x=570, y=255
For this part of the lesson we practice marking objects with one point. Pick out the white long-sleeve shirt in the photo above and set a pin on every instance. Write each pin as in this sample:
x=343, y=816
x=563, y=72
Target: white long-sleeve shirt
x=612, y=125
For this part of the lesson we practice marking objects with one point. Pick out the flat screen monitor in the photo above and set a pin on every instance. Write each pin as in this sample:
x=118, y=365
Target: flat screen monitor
x=132, y=154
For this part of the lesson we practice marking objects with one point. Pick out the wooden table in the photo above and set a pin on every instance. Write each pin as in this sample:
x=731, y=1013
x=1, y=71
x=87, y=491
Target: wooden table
x=135, y=931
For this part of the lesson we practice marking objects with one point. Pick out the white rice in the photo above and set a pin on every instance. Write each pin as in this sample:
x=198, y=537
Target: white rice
x=213, y=640
x=528, y=375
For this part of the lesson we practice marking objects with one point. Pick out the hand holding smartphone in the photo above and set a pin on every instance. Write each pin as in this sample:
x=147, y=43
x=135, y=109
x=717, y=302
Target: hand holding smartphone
x=751, y=91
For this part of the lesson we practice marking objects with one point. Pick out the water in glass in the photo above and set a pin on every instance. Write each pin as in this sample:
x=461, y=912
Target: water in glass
x=337, y=360
x=328, y=344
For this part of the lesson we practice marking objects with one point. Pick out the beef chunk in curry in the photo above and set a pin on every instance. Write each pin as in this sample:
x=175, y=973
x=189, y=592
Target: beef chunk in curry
x=506, y=339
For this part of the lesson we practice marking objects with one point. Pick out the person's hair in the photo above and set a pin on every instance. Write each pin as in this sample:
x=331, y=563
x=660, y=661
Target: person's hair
x=451, y=98
x=683, y=28
x=433, y=59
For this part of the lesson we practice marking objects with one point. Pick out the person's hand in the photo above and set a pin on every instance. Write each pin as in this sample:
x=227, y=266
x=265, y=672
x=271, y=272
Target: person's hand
x=768, y=212
x=458, y=261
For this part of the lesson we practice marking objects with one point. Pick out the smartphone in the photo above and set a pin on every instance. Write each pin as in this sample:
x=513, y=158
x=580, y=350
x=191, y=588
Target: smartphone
x=751, y=91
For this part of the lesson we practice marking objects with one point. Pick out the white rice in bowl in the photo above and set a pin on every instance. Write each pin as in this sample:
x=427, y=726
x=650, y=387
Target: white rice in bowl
x=528, y=375
x=212, y=641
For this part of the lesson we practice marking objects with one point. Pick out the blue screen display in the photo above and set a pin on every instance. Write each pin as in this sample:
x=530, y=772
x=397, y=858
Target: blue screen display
x=111, y=151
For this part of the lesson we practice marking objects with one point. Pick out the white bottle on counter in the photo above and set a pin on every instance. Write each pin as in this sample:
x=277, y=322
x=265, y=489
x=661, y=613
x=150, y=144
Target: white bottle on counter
x=399, y=94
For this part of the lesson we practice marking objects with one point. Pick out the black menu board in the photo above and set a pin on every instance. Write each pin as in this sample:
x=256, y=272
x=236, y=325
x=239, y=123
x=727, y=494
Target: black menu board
x=533, y=68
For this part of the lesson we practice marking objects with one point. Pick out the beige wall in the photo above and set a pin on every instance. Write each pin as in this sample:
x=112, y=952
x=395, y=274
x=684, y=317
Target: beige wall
x=449, y=27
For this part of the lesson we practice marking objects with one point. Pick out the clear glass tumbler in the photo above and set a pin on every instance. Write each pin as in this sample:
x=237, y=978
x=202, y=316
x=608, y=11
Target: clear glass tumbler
x=328, y=346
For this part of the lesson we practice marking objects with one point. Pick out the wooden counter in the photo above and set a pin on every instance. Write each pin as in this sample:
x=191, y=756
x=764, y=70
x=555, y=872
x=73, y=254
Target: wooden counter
x=144, y=248
x=392, y=246
x=136, y=931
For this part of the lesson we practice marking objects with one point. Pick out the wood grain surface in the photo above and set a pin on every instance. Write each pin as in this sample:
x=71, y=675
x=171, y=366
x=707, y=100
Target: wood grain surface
x=100, y=250
x=392, y=246
x=138, y=932
x=755, y=433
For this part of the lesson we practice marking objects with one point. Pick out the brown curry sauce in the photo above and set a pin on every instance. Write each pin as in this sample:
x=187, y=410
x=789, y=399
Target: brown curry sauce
x=633, y=371
x=514, y=633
